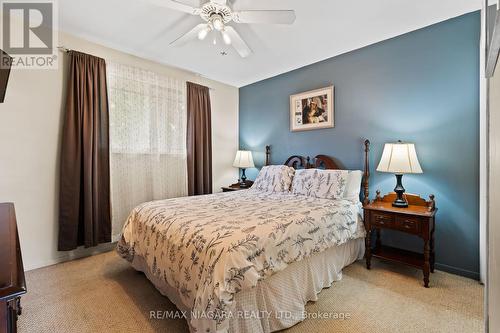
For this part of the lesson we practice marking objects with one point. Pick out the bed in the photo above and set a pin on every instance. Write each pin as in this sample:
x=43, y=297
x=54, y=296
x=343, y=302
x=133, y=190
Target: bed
x=246, y=261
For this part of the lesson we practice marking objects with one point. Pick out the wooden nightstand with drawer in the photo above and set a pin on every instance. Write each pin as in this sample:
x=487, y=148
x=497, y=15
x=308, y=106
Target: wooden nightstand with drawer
x=237, y=187
x=418, y=219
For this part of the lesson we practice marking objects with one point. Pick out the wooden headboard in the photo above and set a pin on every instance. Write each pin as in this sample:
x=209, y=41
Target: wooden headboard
x=325, y=162
x=320, y=162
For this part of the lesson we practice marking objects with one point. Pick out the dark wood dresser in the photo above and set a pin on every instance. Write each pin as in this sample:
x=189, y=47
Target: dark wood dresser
x=12, y=283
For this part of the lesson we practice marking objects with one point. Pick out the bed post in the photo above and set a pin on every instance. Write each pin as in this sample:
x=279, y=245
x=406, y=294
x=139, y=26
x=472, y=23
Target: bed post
x=366, y=175
x=268, y=155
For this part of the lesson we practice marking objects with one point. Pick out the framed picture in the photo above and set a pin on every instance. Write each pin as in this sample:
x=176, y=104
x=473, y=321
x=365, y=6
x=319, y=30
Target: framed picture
x=312, y=110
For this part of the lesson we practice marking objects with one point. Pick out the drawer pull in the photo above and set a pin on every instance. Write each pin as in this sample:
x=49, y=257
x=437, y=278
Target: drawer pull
x=383, y=221
x=409, y=225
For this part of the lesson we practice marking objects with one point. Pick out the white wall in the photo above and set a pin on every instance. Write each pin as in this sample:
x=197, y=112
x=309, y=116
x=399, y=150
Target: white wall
x=30, y=129
x=483, y=154
x=493, y=281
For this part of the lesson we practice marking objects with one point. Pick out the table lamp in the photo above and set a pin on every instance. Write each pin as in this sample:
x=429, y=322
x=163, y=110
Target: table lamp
x=399, y=158
x=243, y=160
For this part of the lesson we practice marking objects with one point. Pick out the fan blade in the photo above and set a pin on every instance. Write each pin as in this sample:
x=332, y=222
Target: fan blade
x=176, y=5
x=189, y=36
x=238, y=43
x=265, y=16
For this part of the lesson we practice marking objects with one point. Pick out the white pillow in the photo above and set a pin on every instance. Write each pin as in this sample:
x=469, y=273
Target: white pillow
x=353, y=186
x=317, y=183
x=274, y=178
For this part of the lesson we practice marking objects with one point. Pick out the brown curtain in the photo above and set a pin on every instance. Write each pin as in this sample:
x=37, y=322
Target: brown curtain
x=84, y=195
x=199, y=140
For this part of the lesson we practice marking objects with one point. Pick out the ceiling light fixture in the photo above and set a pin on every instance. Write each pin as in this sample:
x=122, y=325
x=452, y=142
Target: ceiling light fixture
x=217, y=22
x=203, y=33
x=218, y=14
x=226, y=38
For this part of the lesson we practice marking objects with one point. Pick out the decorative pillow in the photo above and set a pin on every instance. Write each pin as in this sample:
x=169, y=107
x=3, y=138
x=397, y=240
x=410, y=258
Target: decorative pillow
x=317, y=183
x=353, y=186
x=274, y=178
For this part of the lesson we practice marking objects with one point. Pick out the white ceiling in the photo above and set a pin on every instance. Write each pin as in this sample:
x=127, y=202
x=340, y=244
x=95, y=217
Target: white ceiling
x=323, y=29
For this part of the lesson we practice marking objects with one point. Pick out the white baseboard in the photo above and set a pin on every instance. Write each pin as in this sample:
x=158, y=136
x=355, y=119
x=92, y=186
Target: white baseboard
x=80, y=252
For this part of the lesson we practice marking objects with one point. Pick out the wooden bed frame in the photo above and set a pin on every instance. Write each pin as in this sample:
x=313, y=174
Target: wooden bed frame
x=325, y=162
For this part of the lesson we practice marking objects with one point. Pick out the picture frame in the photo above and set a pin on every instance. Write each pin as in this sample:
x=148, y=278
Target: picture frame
x=312, y=110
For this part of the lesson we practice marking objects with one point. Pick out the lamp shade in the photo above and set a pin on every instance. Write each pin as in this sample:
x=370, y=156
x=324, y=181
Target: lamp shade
x=243, y=159
x=399, y=158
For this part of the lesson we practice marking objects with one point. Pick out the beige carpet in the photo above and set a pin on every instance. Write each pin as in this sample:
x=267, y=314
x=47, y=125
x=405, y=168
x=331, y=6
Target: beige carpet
x=104, y=294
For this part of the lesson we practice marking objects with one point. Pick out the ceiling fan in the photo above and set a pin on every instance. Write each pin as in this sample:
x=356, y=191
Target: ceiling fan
x=217, y=14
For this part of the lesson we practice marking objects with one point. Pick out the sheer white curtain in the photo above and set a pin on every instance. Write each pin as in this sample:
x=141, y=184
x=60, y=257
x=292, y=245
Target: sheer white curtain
x=147, y=138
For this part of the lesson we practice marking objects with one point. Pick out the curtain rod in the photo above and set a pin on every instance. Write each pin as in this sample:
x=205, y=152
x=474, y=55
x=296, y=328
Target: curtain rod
x=63, y=49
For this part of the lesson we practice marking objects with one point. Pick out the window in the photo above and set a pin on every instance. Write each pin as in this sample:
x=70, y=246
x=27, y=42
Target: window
x=147, y=138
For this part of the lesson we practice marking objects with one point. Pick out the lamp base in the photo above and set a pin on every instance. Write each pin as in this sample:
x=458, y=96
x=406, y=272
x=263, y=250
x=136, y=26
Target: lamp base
x=243, y=182
x=400, y=202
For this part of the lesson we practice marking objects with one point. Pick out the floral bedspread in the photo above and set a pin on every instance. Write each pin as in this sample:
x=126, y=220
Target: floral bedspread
x=210, y=247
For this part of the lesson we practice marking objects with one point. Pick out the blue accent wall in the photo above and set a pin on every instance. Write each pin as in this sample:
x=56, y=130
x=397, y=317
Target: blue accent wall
x=421, y=87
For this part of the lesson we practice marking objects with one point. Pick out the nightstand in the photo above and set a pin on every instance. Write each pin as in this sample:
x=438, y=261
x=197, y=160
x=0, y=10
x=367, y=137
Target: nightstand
x=418, y=219
x=236, y=187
